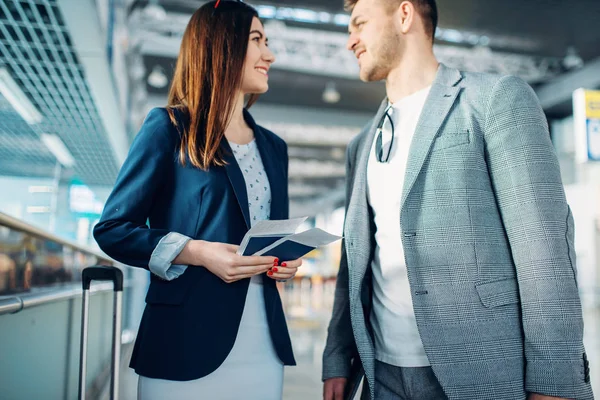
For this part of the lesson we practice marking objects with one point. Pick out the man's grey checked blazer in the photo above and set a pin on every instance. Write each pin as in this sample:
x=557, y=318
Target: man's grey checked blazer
x=488, y=242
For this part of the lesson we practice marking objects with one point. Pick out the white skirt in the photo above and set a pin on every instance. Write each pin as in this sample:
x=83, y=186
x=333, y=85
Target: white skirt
x=251, y=371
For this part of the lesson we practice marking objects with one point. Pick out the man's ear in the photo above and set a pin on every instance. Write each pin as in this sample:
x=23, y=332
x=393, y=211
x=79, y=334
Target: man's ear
x=405, y=16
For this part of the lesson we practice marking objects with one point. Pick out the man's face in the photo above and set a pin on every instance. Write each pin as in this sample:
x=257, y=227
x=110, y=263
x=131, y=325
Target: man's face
x=374, y=39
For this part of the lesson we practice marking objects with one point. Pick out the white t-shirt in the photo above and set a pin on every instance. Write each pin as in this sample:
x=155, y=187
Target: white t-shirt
x=397, y=340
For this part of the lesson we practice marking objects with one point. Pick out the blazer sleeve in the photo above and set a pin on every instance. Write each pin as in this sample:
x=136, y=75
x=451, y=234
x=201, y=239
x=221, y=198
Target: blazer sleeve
x=526, y=178
x=340, y=347
x=122, y=232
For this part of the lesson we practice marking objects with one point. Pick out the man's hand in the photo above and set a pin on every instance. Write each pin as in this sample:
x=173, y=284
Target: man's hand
x=537, y=396
x=333, y=389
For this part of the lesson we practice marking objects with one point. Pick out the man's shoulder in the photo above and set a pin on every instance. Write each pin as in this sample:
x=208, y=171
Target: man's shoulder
x=479, y=80
x=483, y=83
x=479, y=90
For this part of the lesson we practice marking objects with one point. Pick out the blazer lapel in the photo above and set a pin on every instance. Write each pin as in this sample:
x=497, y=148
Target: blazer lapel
x=275, y=173
x=358, y=226
x=273, y=168
x=358, y=199
x=442, y=95
x=237, y=180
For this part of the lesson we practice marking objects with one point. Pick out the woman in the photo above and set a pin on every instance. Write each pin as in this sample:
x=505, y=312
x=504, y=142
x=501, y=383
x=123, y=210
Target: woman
x=213, y=327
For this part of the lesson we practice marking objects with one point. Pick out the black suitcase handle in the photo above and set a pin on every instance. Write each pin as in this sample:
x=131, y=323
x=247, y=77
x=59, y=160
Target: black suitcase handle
x=102, y=273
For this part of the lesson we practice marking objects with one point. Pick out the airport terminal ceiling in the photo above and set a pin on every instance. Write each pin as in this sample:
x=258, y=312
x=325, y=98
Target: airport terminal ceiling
x=541, y=41
x=536, y=39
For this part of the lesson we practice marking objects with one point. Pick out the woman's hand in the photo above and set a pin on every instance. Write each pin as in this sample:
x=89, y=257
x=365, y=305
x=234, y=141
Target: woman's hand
x=222, y=260
x=287, y=270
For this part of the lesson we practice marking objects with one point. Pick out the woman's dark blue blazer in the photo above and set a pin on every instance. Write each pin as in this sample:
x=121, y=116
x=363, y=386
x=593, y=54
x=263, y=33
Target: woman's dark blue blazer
x=189, y=324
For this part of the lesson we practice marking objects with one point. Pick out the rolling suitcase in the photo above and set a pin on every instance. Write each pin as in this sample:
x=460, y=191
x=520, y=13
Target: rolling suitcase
x=102, y=273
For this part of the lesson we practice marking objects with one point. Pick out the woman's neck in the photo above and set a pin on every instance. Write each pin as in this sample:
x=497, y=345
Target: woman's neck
x=238, y=130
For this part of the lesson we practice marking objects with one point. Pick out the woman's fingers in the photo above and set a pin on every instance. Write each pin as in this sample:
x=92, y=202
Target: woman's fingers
x=248, y=271
x=255, y=260
x=292, y=264
x=282, y=272
x=248, y=266
x=286, y=270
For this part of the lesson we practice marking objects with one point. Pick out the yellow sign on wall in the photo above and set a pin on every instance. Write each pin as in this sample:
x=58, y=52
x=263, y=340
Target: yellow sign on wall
x=586, y=117
x=592, y=103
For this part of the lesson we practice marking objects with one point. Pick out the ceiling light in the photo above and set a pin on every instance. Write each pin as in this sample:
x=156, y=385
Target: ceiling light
x=572, y=60
x=266, y=11
x=302, y=15
x=158, y=78
x=137, y=70
x=41, y=189
x=58, y=148
x=38, y=209
x=341, y=19
x=330, y=94
x=155, y=11
x=15, y=96
x=337, y=153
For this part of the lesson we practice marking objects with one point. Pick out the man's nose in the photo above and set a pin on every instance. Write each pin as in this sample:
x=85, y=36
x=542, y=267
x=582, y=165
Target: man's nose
x=352, y=42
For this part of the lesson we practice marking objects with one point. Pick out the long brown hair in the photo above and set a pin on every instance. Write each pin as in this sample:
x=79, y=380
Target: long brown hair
x=208, y=77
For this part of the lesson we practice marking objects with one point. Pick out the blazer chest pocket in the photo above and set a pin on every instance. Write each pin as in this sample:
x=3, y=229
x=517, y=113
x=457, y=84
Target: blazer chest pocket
x=498, y=293
x=449, y=140
x=169, y=292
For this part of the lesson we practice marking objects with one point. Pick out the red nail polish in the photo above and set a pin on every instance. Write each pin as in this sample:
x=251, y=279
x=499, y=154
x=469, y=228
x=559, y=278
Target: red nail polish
x=275, y=269
x=270, y=273
x=276, y=261
x=284, y=264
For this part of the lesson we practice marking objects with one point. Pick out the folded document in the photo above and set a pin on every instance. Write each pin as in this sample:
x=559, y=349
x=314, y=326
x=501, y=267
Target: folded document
x=277, y=239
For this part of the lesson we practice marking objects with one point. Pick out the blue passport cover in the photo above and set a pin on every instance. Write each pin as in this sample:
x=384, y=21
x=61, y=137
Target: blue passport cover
x=289, y=251
x=260, y=242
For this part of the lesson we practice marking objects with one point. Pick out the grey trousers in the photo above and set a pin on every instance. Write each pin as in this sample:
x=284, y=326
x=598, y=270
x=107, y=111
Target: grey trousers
x=397, y=383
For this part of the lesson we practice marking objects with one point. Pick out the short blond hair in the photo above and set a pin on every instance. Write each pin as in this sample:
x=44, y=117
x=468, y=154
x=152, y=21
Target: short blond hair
x=427, y=9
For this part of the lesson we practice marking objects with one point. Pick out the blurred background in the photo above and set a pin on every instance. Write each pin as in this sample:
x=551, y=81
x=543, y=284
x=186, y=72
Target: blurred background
x=77, y=78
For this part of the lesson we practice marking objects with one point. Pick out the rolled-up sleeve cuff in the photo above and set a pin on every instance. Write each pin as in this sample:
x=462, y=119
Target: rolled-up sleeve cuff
x=163, y=255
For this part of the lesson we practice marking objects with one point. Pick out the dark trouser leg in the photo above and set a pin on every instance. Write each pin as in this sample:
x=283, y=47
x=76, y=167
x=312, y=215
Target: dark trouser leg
x=397, y=383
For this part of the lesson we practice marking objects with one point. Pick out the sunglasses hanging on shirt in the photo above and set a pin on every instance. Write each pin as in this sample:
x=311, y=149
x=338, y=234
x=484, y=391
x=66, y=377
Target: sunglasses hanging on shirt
x=379, y=152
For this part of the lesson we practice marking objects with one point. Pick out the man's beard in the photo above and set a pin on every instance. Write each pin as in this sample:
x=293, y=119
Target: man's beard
x=375, y=74
x=382, y=59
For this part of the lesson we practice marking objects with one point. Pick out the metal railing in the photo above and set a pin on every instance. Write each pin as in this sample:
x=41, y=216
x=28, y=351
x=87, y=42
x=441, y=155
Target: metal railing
x=11, y=304
x=14, y=304
x=18, y=225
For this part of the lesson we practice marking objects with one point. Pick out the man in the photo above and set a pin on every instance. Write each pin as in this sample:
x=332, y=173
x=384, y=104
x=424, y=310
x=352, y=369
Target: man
x=458, y=275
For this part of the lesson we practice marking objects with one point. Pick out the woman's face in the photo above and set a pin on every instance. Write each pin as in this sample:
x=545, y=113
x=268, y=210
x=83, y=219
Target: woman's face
x=255, y=79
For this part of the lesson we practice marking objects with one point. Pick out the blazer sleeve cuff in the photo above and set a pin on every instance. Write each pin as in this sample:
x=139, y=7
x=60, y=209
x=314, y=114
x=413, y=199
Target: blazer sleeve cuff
x=167, y=249
x=565, y=379
x=336, y=367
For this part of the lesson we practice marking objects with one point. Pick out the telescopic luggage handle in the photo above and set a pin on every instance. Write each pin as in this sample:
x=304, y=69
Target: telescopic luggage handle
x=102, y=273
x=115, y=275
